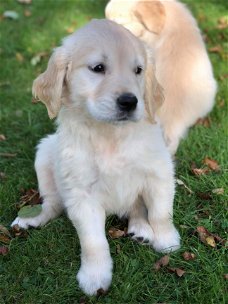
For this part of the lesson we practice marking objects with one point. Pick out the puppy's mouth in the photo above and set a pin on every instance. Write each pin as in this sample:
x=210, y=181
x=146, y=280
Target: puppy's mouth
x=125, y=117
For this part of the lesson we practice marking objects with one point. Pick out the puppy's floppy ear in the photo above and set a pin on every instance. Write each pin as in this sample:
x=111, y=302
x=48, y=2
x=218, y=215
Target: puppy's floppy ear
x=151, y=14
x=48, y=86
x=154, y=97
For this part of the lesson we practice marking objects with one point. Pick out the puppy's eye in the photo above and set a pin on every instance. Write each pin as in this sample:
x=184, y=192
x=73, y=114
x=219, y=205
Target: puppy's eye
x=138, y=70
x=100, y=68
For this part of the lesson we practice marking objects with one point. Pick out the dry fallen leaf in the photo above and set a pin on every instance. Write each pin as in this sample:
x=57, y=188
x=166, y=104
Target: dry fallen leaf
x=115, y=233
x=225, y=276
x=218, y=191
x=211, y=163
x=209, y=238
x=16, y=231
x=181, y=183
x=2, y=137
x=27, y=13
x=163, y=261
x=4, y=239
x=216, y=49
x=19, y=57
x=210, y=241
x=188, y=256
x=199, y=171
x=204, y=195
x=206, y=122
x=222, y=23
x=70, y=30
x=4, y=250
x=4, y=230
x=29, y=197
x=179, y=272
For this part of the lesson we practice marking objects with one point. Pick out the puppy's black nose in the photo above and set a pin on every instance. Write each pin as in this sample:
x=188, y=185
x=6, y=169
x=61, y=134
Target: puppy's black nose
x=127, y=102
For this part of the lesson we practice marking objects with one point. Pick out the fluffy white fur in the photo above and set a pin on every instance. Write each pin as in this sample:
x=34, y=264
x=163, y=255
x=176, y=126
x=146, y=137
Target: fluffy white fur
x=182, y=64
x=95, y=164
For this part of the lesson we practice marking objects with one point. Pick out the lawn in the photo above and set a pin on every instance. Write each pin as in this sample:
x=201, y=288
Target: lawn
x=41, y=267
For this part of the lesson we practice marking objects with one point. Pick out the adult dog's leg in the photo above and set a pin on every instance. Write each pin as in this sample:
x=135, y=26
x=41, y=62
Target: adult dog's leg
x=52, y=206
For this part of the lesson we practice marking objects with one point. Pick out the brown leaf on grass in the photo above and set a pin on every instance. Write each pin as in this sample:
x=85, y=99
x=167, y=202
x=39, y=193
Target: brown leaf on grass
x=70, y=30
x=19, y=57
x=225, y=276
x=199, y=171
x=223, y=77
x=181, y=183
x=4, y=230
x=206, y=122
x=4, y=239
x=2, y=137
x=16, y=231
x=2, y=176
x=188, y=256
x=27, y=13
x=216, y=49
x=209, y=238
x=203, y=233
x=204, y=195
x=218, y=191
x=4, y=250
x=179, y=272
x=210, y=241
x=163, y=261
x=115, y=233
x=222, y=23
x=29, y=197
x=211, y=163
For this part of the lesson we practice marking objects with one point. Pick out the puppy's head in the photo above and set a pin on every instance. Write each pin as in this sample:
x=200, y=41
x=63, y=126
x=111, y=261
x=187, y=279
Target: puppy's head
x=100, y=71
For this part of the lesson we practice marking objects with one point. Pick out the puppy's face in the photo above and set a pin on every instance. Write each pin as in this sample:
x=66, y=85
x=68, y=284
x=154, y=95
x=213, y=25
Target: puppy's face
x=107, y=78
x=100, y=70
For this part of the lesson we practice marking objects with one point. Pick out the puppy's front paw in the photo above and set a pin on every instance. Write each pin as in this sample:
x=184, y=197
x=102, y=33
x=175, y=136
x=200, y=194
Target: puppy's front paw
x=27, y=222
x=94, y=276
x=140, y=231
x=166, y=239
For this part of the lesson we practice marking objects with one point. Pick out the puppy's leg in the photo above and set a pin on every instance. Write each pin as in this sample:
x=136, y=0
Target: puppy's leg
x=138, y=226
x=96, y=263
x=52, y=206
x=158, y=196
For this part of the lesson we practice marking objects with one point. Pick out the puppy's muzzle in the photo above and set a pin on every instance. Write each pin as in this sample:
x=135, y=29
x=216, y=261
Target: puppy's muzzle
x=127, y=102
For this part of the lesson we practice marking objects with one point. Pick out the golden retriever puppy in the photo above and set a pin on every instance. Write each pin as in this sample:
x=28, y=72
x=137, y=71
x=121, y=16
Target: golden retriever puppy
x=182, y=64
x=107, y=156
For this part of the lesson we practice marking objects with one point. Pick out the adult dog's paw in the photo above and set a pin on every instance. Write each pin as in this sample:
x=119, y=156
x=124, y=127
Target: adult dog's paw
x=166, y=239
x=95, y=276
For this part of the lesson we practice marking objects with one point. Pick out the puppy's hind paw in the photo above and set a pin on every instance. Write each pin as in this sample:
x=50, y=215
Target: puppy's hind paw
x=139, y=230
x=167, y=240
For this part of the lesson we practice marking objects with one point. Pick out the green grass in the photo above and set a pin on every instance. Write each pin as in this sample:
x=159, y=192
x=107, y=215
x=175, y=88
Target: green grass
x=42, y=267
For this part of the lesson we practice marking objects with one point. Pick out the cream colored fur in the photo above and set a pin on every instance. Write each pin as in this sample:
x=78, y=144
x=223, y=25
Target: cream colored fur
x=95, y=165
x=182, y=64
